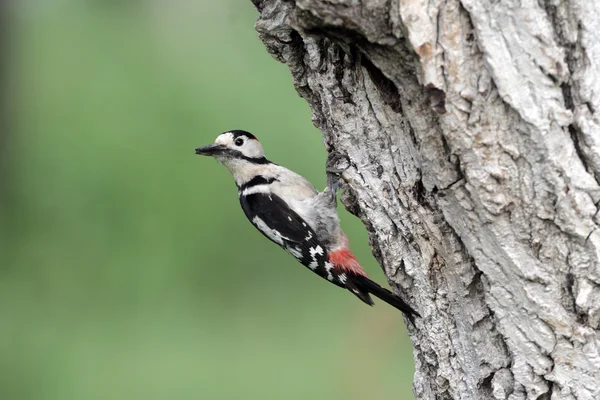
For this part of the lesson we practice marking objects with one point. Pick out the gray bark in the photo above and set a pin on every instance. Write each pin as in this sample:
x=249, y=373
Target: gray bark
x=473, y=132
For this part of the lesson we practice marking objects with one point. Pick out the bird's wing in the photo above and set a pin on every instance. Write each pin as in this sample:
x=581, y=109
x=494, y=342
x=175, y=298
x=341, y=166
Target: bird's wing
x=275, y=219
x=278, y=222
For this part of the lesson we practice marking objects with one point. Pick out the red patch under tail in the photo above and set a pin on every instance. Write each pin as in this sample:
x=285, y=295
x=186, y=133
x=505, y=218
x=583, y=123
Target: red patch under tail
x=344, y=260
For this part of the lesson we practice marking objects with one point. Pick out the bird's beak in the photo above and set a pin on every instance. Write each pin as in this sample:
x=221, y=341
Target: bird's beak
x=210, y=150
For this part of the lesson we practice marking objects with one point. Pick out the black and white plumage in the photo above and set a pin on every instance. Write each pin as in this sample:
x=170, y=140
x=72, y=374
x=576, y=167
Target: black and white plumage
x=278, y=222
x=289, y=211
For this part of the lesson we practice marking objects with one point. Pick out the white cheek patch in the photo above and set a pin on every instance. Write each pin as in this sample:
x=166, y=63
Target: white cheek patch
x=253, y=149
x=250, y=148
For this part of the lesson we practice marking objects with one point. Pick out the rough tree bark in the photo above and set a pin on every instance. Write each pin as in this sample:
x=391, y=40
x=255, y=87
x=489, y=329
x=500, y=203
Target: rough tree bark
x=473, y=131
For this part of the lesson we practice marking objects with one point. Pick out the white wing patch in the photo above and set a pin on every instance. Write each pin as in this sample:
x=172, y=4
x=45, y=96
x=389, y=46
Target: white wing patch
x=272, y=234
x=295, y=251
x=328, y=268
x=313, y=253
x=316, y=250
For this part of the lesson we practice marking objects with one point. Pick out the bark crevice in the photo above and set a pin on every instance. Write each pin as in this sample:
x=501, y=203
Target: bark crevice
x=472, y=136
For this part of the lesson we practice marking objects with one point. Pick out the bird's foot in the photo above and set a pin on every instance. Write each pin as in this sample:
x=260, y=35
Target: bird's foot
x=337, y=163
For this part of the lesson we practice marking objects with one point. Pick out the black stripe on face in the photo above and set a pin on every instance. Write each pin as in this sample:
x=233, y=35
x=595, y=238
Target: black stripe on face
x=257, y=180
x=231, y=153
x=261, y=160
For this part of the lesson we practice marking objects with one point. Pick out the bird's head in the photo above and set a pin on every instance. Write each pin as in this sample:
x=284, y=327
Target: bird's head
x=239, y=151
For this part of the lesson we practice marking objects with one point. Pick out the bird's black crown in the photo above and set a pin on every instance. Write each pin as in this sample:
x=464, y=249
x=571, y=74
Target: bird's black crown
x=238, y=132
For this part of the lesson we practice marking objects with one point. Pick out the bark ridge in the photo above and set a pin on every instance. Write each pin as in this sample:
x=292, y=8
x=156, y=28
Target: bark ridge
x=474, y=140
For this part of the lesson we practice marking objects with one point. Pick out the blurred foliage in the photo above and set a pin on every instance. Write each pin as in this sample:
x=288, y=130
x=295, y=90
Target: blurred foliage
x=128, y=268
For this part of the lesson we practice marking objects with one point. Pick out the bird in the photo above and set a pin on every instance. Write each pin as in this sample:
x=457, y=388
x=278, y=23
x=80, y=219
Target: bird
x=287, y=209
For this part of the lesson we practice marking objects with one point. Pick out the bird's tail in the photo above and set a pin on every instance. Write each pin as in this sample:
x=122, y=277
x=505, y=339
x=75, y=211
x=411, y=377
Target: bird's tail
x=361, y=286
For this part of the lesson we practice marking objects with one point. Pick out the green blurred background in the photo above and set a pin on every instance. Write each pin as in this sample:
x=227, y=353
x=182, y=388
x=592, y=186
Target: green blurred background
x=128, y=270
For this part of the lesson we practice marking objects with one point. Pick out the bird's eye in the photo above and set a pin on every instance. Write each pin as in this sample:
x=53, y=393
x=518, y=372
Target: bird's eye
x=239, y=141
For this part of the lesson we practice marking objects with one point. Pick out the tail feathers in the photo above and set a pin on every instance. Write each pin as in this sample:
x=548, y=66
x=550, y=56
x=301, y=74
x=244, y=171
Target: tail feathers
x=360, y=293
x=361, y=286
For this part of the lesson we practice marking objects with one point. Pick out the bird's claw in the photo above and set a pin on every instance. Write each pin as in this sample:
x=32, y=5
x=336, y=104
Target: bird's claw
x=337, y=163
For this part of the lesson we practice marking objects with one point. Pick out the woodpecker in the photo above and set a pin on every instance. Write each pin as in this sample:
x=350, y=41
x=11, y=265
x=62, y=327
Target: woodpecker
x=289, y=211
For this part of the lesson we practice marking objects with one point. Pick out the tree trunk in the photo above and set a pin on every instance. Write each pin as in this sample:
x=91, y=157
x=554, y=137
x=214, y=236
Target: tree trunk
x=474, y=139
